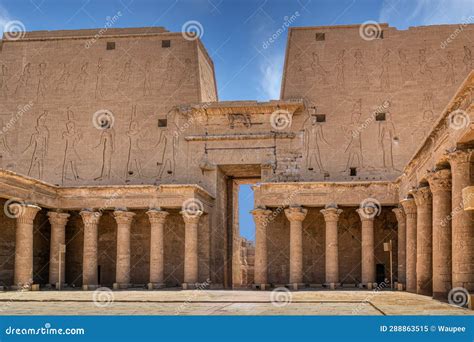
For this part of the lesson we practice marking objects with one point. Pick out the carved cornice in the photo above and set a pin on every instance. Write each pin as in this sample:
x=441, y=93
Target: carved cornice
x=296, y=213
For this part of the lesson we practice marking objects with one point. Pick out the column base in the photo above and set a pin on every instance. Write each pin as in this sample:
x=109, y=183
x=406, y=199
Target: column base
x=440, y=295
x=400, y=287
x=262, y=287
x=332, y=286
x=153, y=286
x=188, y=286
x=90, y=287
x=368, y=286
x=296, y=286
x=120, y=286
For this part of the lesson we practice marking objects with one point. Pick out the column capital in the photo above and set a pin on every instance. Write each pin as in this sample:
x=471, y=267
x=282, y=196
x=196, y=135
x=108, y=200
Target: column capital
x=459, y=156
x=296, y=213
x=260, y=215
x=331, y=214
x=400, y=214
x=422, y=196
x=191, y=218
x=409, y=206
x=157, y=215
x=440, y=181
x=58, y=218
x=24, y=213
x=123, y=217
x=367, y=213
x=90, y=217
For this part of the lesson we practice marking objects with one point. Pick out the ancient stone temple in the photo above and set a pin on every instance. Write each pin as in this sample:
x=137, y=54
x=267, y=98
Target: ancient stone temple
x=120, y=167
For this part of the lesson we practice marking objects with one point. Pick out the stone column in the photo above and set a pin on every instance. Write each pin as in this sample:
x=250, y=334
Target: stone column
x=122, y=270
x=89, y=257
x=462, y=223
x=24, y=214
x=331, y=217
x=402, y=240
x=440, y=184
x=424, y=241
x=296, y=216
x=409, y=208
x=58, y=222
x=191, y=257
x=157, y=221
x=260, y=216
x=367, y=216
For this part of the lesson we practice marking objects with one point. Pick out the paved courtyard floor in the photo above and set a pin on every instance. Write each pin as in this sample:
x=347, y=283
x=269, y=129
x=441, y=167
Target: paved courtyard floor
x=214, y=302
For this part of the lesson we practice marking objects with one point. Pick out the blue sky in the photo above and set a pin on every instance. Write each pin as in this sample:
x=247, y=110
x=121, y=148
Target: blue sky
x=234, y=32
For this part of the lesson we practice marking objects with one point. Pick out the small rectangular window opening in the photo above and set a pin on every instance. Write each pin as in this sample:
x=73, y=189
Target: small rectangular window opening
x=162, y=122
x=353, y=171
x=110, y=45
x=166, y=43
x=380, y=117
x=320, y=36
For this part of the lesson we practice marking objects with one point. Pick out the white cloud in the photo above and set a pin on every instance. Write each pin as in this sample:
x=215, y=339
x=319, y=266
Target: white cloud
x=425, y=12
x=4, y=18
x=271, y=69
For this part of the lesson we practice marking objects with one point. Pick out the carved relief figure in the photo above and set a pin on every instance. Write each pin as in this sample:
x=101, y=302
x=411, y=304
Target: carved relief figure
x=385, y=75
x=81, y=78
x=339, y=70
x=240, y=119
x=404, y=67
x=187, y=73
x=450, y=71
x=424, y=67
x=39, y=141
x=72, y=135
x=124, y=78
x=318, y=70
x=3, y=139
x=387, y=137
x=467, y=59
x=99, y=83
x=359, y=67
x=23, y=80
x=62, y=82
x=313, y=137
x=107, y=145
x=147, y=79
x=4, y=81
x=41, y=88
x=301, y=67
x=168, y=142
x=134, y=152
x=353, y=135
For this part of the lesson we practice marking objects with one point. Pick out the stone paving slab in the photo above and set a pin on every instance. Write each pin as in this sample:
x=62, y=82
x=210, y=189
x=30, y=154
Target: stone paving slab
x=213, y=302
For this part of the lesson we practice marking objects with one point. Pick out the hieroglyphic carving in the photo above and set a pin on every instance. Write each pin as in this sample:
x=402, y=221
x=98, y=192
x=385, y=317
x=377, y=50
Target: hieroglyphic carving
x=339, y=70
x=168, y=142
x=81, y=78
x=404, y=65
x=99, y=83
x=39, y=141
x=450, y=69
x=124, y=78
x=4, y=81
x=319, y=72
x=424, y=68
x=23, y=80
x=134, y=166
x=41, y=87
x=147, y=79
x=385, y=74
x=313, y=136
x=387, y=137
x=353, y=135
x=468, y=60
x=72, y=135
x=107, y=145
x=62, y=81
x=187, y=74
x=240, y=120
x=359, y=67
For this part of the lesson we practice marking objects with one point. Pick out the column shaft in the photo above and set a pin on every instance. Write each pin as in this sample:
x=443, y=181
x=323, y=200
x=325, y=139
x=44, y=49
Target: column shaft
x=122, y=271
x=89, y=258
x=368, y=256
x=191, y=256
x=58, y=222
x=331, y=217
x=260, y=217
x=401, y=236
x=157, y=221
x=409, y=207
x=296, y=216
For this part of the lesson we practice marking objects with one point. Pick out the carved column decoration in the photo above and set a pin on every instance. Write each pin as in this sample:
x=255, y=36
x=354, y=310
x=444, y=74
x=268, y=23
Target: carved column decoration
x=157, y=221
x=122, y=270
x=409, y=208
x=401, y=236
x=191, y=256
x=331, y=217
x=58, y=223
x=296, y=216
x=260, y=216
x=367, y=216
x=89, y=258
